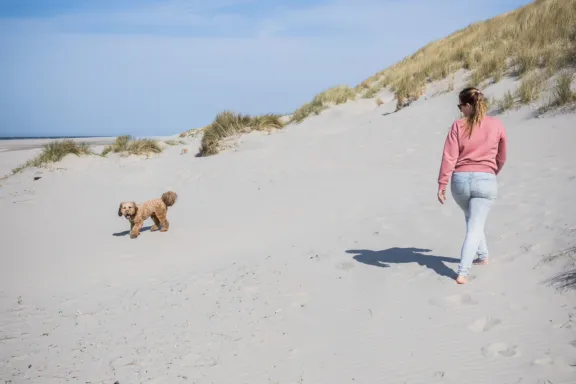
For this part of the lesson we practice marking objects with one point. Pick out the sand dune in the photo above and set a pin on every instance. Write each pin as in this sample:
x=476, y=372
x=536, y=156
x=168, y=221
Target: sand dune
x=318, y=254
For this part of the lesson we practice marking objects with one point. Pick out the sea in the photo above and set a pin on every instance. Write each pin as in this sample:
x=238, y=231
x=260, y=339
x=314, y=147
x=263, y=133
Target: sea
x=47, y=137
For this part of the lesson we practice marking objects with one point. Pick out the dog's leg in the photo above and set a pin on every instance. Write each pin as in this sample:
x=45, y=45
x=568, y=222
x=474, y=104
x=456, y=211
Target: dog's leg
x=136, y=229
x=156, y=222
x=162, y=217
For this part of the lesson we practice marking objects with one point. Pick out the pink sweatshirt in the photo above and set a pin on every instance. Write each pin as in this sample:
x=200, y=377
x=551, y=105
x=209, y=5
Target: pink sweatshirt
x=485, y=151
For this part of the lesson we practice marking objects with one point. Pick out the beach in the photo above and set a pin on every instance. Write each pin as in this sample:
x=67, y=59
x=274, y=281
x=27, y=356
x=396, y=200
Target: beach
x=315, y=254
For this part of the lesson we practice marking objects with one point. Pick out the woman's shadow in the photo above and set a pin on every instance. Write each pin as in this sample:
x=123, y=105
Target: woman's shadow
x=406, y=255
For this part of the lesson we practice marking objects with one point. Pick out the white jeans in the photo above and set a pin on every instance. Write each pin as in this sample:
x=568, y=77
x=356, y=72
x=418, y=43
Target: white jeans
x=475, y=193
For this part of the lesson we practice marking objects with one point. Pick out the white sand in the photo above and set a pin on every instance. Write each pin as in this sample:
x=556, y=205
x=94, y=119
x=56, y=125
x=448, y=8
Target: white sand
x=318, y=254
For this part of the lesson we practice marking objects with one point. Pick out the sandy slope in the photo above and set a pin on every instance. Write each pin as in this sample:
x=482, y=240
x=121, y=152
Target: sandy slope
x=318, y=254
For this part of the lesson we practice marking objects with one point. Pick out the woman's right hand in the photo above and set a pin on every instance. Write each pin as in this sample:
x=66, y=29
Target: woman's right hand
x=441, y=195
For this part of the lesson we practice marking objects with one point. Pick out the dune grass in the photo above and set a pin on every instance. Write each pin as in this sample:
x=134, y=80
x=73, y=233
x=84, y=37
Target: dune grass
x=489, y=102
x=336, y=95
x=195, y=132
x=562, y=93
x=564, y=280
x=228, y=123
x=55, y=151
x=333, y=96
x=120, y=145
x=373, y=88
x=175, y=142
x=312, y=108
x=143, y=147
x=265, y=122
x=531, y=87
x=506, y=102
x=567, y=279
x=541, y=34
x=538, y=36
x=126, y=144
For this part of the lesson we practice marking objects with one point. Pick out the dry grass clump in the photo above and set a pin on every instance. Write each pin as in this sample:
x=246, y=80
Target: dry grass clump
x=229, y=123
x=126, y=144
x=333, y=96
x=195, y=132
x=475, y=79
x=312, y=108
x=371, y=92
x=440, y=71
x=531, y=87
x=506, y=102
x=120, y=145
x=563, y=93
x=22, y=167
x=408, y=89
x=363, y=86
x=375, y=87
x=489, y=102
x=492, y=67
x=143, y=147
x=336, y=95
x=266, y=122
x=55, y=151
x=566, y=279
x=538, y=35
x=175, y=142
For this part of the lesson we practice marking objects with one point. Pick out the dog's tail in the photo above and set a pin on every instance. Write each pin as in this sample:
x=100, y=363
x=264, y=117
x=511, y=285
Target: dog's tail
x=169, y=198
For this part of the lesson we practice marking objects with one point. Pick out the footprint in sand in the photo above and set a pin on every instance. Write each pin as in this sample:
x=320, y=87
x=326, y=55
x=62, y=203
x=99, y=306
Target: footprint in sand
x=484, y=324
x=499, y=350
x=557, y=361
x=543, y=361
x=453, y=301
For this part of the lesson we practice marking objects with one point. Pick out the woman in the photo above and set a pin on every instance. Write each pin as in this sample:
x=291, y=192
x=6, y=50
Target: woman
x=474, y=153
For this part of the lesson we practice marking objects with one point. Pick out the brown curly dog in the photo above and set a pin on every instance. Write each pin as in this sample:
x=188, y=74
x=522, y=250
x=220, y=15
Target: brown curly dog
x=156, y=209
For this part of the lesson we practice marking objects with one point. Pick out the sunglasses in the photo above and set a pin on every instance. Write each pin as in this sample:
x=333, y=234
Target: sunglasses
x=460, y=106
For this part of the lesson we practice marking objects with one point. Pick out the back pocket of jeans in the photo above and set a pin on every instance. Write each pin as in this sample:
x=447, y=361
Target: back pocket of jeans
x=460, y=187
x=487, y=188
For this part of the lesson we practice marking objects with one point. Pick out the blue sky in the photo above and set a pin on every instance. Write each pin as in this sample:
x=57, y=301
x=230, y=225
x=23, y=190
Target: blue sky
x=159, y=67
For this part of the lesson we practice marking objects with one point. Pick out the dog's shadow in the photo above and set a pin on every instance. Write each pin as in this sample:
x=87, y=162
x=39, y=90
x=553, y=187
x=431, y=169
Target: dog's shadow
x=124, y=233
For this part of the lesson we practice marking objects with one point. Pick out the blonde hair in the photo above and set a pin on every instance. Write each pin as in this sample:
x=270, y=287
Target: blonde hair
x=476, y=99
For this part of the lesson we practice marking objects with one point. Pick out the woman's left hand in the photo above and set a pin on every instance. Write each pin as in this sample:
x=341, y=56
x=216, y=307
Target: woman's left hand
x=441, y=196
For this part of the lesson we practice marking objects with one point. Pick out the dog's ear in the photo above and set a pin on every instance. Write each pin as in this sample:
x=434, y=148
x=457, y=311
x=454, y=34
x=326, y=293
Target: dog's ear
x=135, y=207
x=120, y=210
